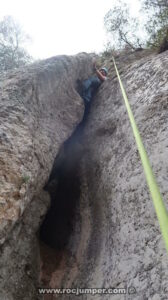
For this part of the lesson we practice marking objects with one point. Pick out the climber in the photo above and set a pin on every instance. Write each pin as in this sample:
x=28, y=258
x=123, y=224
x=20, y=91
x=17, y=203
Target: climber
x=90, y=85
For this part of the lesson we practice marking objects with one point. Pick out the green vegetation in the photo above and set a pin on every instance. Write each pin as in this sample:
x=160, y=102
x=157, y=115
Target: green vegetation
x=149, y=31
x=25, y=178
x=157, y=25
x=122, y=27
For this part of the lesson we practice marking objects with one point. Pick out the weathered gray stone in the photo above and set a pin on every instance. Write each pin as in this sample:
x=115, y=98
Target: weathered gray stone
x=117, y=240
x=125, y=247
x=39, y=109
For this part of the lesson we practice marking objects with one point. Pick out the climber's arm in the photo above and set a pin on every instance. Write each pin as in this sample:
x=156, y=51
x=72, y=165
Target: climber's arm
x=99, y=74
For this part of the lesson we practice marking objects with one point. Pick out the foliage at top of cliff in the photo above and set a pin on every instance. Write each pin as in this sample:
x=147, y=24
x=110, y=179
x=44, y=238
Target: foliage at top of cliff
x=123, y=57
x=150, y=30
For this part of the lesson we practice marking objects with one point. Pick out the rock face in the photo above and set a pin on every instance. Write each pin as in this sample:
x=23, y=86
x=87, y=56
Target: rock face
x=124, y=246
x=116, y=240
x=39, y=109
x=112, y=234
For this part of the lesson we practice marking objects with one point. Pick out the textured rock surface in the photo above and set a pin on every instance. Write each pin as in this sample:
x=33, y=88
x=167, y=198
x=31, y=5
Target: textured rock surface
x=125, y=247
x=116, y=240
x=39, y=109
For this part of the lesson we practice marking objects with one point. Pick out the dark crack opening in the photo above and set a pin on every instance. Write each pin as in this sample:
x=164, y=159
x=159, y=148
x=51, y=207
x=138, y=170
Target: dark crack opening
x=64, y=189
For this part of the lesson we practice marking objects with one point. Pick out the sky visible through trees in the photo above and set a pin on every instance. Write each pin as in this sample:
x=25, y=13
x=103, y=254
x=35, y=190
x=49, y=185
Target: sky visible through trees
x=69, y=27
x=62, y=27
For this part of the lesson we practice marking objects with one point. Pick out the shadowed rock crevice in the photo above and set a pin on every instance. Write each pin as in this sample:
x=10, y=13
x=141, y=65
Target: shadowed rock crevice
x=39, y=110
x=116, y=240
x=64, y=189
x=104, y=232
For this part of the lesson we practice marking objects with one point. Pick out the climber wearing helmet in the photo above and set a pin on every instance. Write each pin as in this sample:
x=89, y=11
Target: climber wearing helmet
x=90, y=85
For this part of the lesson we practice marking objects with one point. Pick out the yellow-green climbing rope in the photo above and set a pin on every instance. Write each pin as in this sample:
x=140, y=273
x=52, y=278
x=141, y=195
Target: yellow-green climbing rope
x=150, y=178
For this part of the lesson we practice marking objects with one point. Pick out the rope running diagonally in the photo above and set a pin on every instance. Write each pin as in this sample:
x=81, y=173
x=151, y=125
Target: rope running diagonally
x=159, y=205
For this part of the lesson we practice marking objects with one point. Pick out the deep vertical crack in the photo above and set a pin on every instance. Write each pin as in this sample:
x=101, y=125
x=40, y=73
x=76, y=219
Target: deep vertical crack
x=64, y=189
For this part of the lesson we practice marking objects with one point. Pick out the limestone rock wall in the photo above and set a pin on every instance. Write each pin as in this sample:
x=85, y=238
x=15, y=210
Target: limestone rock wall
x=117, y=241
x=125, y=247
x=39, y=109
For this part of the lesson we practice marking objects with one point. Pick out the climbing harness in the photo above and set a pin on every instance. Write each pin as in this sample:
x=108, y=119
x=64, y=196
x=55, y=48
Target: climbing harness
x=159, y=205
